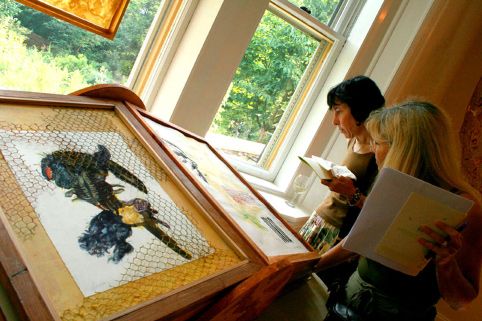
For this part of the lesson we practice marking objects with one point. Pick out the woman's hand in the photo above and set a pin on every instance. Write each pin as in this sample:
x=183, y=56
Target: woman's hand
x=458, y=257
x=341, y=185
x=445, y=248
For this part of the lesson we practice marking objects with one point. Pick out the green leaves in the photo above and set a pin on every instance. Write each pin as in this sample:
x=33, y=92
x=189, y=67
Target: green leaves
x=37, y=71
x=269, y=74
x=265, y=80
x=71, y=56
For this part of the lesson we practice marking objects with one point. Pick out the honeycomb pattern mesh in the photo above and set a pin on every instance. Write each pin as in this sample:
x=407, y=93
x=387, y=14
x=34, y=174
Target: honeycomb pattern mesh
x=141, y=290
x=72, y=130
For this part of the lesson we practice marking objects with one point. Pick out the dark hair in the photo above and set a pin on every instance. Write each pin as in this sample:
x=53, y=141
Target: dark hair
x=360, y=93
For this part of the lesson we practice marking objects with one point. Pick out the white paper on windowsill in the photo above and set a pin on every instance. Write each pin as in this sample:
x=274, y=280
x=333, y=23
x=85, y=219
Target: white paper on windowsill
x=397, y=203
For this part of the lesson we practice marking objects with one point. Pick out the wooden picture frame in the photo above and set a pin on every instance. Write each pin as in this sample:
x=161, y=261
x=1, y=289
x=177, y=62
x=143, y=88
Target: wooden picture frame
x=86, y=15
x=281, y=234
x=41, y=135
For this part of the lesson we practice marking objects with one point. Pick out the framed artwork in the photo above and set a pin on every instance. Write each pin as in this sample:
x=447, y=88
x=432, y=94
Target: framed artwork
x=240, y=203
x=96, y=225
x=102, y=18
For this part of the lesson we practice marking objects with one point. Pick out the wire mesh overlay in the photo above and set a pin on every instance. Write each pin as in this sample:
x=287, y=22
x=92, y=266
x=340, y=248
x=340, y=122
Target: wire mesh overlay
x=82, y=139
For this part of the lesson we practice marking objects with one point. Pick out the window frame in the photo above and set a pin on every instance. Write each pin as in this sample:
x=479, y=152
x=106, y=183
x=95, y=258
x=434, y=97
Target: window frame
x=159, y=48
x=311, y=82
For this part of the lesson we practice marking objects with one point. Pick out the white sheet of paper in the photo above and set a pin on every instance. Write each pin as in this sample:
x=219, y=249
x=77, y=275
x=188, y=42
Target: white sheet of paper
x=336, y=170
x=400, y=240
x=389, y=195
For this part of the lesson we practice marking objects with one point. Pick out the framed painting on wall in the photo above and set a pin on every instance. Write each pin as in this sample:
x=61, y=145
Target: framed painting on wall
x=102, y=18
x=240, y=203
x=95, y=225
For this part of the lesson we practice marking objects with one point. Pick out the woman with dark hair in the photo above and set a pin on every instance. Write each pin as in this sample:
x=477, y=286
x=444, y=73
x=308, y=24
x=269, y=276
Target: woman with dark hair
x=350, y=102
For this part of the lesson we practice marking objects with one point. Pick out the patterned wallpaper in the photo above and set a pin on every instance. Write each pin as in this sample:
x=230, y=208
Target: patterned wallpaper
x=471, y=139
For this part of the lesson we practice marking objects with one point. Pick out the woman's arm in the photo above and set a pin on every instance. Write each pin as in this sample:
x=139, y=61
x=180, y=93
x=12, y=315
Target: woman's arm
x=458, y=259
x=334, y=256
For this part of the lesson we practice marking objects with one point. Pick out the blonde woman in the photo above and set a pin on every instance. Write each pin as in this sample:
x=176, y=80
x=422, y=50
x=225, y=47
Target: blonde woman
x=414, y=138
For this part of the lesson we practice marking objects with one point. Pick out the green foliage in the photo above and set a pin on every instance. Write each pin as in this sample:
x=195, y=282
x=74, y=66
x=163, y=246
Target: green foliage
x=265, y=80
x=81, y=64
x=268, y=75
x=114, y=57
x=320, y=9
x=37, y=70
x=9, y=8
x=54, y=56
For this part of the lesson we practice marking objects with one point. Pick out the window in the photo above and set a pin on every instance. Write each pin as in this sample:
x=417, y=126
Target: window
x=324, y=11
x=41, y=53
x=159, y=47
x=269, y=96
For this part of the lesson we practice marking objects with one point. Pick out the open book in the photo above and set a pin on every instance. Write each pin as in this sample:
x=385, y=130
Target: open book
x=386, y=230
x=326, y=169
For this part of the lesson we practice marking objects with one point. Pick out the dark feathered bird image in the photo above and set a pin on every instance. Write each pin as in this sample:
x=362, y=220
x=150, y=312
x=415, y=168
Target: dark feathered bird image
x=106, y=230
x=84, y=176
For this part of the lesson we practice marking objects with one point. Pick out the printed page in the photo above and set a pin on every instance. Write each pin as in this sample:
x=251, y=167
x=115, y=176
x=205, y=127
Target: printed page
x=389, y=195
x=326, y=169
x=400, y=240
x=321, y=172
x=336, y=170
x=326, y=164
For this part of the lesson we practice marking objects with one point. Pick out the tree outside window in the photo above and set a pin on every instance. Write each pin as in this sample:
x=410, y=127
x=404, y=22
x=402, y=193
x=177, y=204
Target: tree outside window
x=267, y=84
x=41, y=53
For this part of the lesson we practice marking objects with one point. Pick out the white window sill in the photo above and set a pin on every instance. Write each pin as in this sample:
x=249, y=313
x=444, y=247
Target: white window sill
x=263, y=185
x=294, y=216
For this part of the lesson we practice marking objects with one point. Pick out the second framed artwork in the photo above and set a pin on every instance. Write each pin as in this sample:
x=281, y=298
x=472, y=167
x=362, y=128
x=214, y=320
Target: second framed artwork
x=251, y=214
x=102, y=18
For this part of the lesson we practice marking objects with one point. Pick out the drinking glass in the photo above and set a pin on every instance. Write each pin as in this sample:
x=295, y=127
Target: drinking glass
x=300, y=186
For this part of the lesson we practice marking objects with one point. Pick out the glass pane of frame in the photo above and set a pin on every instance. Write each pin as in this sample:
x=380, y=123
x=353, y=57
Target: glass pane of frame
x=101, y=224
x=240, y=202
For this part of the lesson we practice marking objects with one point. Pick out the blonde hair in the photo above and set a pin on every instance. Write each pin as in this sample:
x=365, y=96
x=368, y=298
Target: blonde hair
x=421, y=144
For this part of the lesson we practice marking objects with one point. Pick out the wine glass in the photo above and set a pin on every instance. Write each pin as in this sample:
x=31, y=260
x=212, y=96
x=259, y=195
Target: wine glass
x=300, y=186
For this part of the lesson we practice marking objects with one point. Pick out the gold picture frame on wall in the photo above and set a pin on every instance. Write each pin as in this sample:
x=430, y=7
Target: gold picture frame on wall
x=96, y=223
x=100, y=17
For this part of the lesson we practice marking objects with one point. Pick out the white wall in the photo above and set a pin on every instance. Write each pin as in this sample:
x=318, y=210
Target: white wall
x=205, y=62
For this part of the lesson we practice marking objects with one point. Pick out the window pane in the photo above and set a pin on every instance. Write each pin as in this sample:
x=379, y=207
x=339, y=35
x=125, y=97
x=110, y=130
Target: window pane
x=262, y=88
x=41, y=53
x=323, y=10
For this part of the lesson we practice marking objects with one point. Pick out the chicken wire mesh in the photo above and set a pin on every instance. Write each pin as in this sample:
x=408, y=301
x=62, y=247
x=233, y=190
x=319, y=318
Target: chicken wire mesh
x=84, y=157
